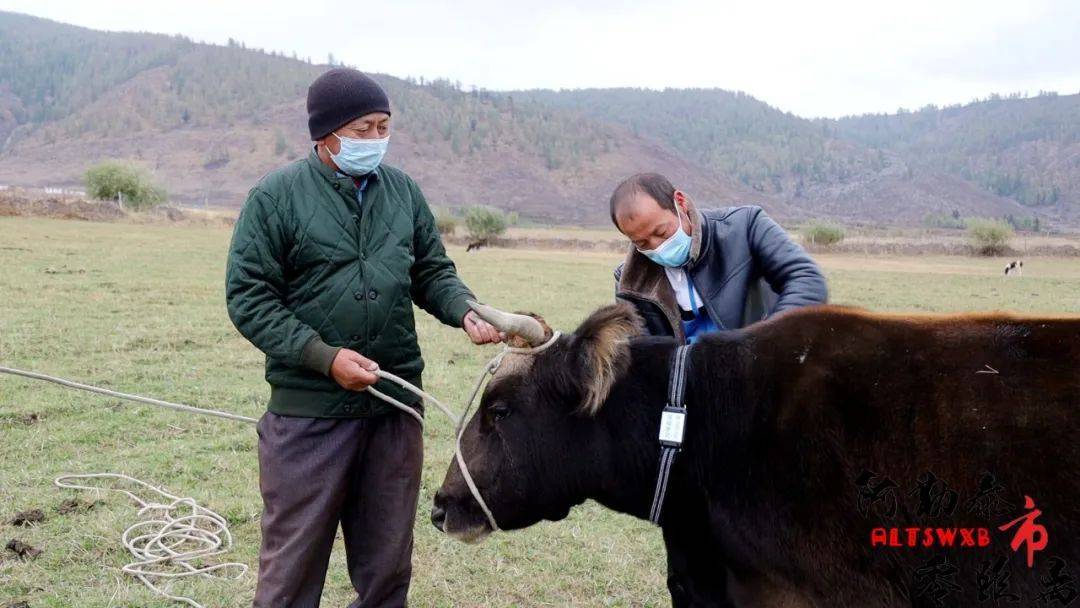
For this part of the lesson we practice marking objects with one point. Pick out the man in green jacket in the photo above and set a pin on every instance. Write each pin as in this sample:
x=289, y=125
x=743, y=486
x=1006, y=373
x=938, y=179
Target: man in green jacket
x=328, y=256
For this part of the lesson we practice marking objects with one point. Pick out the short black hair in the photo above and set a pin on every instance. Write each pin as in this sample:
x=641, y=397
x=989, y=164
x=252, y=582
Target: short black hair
x=656, y=186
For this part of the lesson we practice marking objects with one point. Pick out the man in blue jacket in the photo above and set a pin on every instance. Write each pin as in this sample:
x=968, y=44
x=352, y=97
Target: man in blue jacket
x=692, y=271
x=689, y=272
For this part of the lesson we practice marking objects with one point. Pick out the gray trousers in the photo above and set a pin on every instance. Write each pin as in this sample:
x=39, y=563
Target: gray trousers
x=317, y=472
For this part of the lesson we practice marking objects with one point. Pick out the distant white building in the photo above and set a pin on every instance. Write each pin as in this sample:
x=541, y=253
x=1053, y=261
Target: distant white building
x=65, y=191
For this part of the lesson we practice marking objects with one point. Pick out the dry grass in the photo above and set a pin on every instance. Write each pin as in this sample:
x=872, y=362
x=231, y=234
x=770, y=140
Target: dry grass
x=140, y=308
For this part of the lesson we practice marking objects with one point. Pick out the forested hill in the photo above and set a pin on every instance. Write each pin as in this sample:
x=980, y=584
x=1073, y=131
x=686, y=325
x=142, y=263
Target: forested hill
x=209, y=120
x=1024, y=149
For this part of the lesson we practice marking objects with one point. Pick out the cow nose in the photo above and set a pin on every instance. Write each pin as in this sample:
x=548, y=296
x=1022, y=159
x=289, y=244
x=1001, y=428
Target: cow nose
x=438, y=517
x=438, y=512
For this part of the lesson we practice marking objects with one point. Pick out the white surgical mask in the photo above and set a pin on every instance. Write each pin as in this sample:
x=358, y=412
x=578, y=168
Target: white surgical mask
x=675, y=250
x=357, y=157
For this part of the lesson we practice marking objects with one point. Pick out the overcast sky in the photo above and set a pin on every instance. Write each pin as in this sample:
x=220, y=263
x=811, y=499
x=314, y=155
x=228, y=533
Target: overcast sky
x=813, y=58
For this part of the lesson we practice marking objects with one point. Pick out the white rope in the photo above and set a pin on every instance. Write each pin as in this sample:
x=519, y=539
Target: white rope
x=458, y=455
x=162, y=543
x=174, y=543
x=460, y=421
x=129, y=397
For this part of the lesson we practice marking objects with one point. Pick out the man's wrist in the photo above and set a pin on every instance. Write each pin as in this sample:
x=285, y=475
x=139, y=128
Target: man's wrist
x=318, y=356
x=460, y=307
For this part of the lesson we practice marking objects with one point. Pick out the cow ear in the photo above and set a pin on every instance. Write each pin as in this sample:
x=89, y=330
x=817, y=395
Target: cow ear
x=602, y=344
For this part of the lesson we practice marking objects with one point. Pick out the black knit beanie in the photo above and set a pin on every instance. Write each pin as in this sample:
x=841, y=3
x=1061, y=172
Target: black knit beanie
x=339, y=96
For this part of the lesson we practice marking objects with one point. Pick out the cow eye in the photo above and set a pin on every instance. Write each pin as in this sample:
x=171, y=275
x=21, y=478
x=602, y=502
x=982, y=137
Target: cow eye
x=499, y=411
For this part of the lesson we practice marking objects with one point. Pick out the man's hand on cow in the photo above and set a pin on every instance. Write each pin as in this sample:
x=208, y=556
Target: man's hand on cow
x=480, y=331
x=353, y=371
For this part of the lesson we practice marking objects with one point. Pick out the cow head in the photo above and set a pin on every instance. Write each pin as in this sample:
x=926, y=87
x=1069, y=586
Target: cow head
x=534, y=445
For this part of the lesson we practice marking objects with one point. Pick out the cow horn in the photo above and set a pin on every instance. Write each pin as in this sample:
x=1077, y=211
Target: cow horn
x=512, y=324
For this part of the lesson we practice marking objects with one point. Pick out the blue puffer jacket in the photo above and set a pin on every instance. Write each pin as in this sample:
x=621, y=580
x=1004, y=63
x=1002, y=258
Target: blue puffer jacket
x=742, y=263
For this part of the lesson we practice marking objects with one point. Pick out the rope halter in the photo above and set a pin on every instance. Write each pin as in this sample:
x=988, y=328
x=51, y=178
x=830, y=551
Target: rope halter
x=460, y=421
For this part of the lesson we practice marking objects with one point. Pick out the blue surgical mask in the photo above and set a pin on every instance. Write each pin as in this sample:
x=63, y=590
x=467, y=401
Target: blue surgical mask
x=674, y=251
x=357, y=157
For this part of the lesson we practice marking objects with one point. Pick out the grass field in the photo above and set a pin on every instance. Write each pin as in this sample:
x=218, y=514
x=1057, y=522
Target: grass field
x=141, y=309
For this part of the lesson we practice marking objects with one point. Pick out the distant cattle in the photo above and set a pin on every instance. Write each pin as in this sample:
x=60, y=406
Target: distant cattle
x=476, y=245
x=833, y=457
x=1015, y=267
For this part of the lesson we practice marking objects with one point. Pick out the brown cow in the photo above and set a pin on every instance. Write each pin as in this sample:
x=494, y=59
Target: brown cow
x=819, y=445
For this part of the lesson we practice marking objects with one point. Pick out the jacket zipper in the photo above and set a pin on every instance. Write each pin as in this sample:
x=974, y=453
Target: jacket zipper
x=365, y=289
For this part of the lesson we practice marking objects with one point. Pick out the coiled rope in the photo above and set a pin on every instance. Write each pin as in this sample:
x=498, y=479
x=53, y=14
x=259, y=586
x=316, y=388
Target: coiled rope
x=174, y=544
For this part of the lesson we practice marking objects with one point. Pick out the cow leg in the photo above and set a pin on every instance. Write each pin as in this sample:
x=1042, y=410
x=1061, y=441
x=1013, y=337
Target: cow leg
x=697, y=576
x=758, y=591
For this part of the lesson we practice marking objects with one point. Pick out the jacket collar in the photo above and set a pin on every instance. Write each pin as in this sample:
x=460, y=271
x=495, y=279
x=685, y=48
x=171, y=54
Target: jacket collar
x=342, y=206
x=700, y=239
x=344, y=182
x=697, y=235
x=642, y=278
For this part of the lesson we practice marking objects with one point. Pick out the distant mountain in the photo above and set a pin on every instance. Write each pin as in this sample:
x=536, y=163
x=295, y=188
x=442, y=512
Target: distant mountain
x=1024, y=149
x=996, y=157
x=209, y=120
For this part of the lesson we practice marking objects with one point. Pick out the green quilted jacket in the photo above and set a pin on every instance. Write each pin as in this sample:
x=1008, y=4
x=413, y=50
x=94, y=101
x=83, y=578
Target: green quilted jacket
x=311, y=270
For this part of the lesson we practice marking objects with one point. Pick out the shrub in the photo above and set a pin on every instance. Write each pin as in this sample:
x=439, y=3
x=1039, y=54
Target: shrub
x=446, y=223
x=1029, y=224
x=823, y=233
x=112, y=179
x=484, y=222
x=280, y=144
x=942, y=220
x=989, y=237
